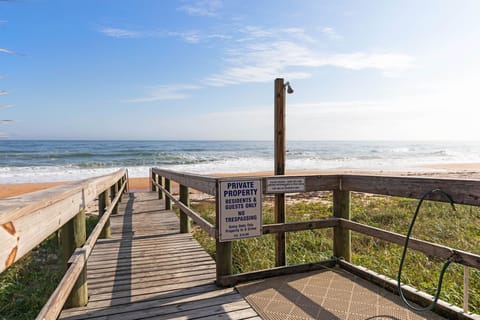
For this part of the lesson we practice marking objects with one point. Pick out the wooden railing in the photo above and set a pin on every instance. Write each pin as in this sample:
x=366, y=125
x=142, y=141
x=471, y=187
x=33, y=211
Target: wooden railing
x=462, y=191
x=30, y=219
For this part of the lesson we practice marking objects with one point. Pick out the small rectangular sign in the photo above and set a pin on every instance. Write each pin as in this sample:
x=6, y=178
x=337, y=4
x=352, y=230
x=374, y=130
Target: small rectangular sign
x=284, y=185
x=240, y=209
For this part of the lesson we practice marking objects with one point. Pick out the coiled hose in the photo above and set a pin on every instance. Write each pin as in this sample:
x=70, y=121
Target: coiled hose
x=402, y=260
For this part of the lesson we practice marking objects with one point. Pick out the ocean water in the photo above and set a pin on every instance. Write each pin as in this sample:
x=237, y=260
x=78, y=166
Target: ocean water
x=23, y=161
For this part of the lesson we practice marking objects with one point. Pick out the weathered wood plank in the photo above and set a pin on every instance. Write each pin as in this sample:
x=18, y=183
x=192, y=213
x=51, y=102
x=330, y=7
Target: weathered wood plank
x=164, y=275
x=204, y=184
x=342, y=238
x=166, y=298
x=462, y=191
x=47, y=210
x=232, y=280
x=150, y=277
x=177, y=294
x=300, y=226
x=436, y=250
x=127, y=297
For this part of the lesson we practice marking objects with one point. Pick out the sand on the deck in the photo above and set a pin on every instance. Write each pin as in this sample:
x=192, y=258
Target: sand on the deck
x=458, y=170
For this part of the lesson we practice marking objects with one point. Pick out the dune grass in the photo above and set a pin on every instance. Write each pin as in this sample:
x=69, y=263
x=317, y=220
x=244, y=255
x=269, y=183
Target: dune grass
x=436, y=223
x=26, y=286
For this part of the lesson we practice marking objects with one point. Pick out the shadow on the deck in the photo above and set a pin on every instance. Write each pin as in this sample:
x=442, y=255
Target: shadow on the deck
x=325, y=294
x=148, y=269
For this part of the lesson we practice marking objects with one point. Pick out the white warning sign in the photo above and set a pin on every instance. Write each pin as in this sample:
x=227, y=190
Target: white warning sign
x=240, y=209
x=284, y=185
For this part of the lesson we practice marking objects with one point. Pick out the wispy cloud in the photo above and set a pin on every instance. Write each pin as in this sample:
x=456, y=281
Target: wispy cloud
x=6, y=121
x=8, y=51
x=362, y=60
x=189, y=36
x=2, y=92
x=260, y=55
x=120, y=33
x=205, y=8
x=5, y=106
x=164, y=92
x=331, y=33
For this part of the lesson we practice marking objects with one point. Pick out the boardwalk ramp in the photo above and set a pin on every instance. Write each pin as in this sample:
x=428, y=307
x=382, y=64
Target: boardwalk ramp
x=147, y=269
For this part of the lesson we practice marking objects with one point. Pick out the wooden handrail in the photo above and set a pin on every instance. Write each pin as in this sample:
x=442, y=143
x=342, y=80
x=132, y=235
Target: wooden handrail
x=47, y=210
x=204, y=184
x=428, y=248
x=204, y=224
x=462, y=191
x=54, y=305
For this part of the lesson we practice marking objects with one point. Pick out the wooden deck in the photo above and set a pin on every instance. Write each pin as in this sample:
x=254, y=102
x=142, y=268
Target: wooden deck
x=147, y=269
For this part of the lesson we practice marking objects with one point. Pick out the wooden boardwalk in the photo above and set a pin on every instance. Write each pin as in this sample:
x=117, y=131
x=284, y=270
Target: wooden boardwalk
x=147, y=269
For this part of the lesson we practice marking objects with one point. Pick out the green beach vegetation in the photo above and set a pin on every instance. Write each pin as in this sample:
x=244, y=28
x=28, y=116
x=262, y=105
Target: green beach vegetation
x=436, y=222
x=27, y=285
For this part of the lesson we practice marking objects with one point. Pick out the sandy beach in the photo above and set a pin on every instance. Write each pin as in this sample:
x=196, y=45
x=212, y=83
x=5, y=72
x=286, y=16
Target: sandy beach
x=457, y=170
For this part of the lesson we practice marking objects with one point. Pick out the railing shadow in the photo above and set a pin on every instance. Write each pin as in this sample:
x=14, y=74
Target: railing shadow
x=318, y=297
x=123, y=269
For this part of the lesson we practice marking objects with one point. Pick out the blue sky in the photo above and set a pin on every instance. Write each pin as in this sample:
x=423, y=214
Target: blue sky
x=361, y=70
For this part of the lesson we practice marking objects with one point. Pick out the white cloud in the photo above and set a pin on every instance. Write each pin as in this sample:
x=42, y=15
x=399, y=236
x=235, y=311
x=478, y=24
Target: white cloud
x=164, y=92
x=8, y=51
x=120, y=33
x=192, y=36
x=6, y=121
x=331, y=33
x=387, y=62
x=5, y=106
x=260, y=54
x=2, y=92
x=205, y=8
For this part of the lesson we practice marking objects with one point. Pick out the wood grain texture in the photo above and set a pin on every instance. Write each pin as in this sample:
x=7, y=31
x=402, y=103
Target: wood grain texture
x=204, y=184
x=428, y=248
x=47, y=210
x=147, y=269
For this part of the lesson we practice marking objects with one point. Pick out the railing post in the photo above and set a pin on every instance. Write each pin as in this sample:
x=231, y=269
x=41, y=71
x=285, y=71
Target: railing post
x=103, y=203
x=155, y=178
x=119, y=187
x=113, y=194
x=168, y=187
x=152, y=186
x=342, y=238
x=184, y=219
x=73, y=236
x=160, y=192
x=223, y=250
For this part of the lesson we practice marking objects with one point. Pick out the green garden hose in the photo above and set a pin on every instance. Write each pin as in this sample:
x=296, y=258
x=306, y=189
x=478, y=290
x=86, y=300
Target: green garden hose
x=402, y=260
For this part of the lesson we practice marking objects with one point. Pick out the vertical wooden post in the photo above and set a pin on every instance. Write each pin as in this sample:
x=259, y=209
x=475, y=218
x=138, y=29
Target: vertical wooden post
x=156, y=177
x=168, y=187
x=103, y=203
x=279, y=155
x=66, y=244
x=152, y=186
x=113, y=194
x=160, y=192
x=119, y=186
x=342, y=239
x=73, y=236
x=223, y=250
x=184, y=219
